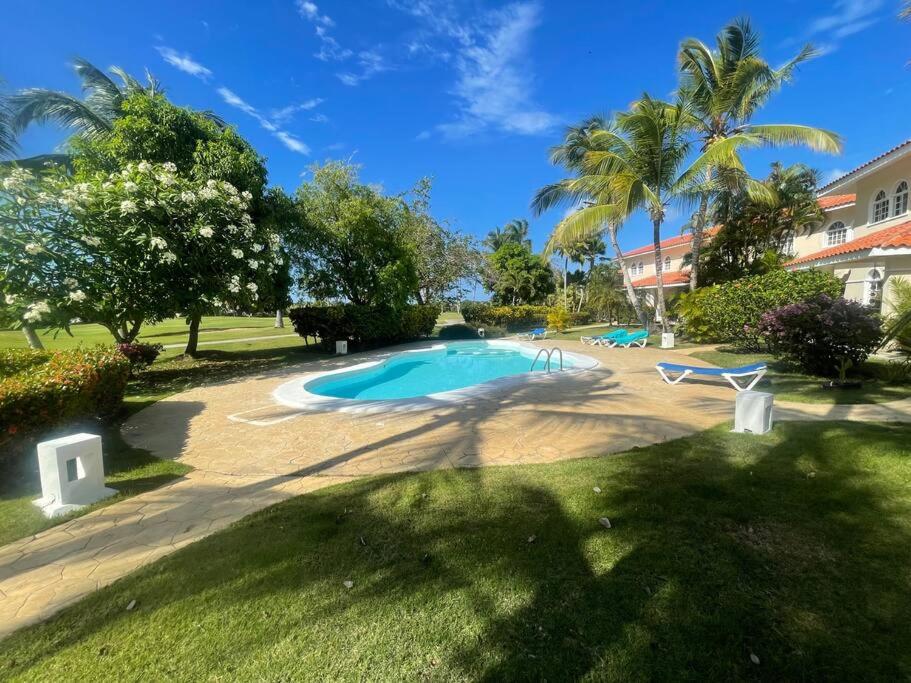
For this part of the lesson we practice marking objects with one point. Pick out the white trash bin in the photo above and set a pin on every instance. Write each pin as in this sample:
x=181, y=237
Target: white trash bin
x=341, y=347
x=667, y=340
x=753, y=412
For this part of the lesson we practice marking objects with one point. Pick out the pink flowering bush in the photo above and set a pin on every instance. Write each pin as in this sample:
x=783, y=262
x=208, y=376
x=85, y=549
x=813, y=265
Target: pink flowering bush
x=140, y=355
x=823, y=335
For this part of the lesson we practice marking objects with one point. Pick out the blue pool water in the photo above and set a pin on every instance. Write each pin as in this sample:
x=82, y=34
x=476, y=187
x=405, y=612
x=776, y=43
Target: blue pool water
x=408, y=375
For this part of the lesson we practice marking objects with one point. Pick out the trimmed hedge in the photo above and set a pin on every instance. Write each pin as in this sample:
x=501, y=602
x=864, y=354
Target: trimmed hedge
x=515, y=317
x=52, y=388
x=730, y=312
x=364, y=326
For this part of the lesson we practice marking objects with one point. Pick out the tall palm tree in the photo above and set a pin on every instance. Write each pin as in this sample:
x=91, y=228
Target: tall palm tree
x=571, y=153
x=496, y=238
x=517, y=231
x=724, y=87
x=638, y=163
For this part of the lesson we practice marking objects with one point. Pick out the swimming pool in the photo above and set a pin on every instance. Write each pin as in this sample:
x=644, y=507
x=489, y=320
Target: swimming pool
x=441, y=372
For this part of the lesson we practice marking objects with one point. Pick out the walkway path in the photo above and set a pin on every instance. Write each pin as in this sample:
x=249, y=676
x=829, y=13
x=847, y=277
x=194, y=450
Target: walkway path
x=249, y=453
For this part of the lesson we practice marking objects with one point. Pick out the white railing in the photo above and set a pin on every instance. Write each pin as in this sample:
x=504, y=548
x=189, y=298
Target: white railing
x=548, y=356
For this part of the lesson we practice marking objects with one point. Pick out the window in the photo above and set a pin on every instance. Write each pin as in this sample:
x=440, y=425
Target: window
x=640, y=268
x=880, y=207
x=836, y=234
x=667, y=263
x=900, y=199
x=873, y=286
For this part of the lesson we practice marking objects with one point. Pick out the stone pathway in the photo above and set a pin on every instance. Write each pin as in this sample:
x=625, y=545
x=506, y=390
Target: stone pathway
x=249, y=453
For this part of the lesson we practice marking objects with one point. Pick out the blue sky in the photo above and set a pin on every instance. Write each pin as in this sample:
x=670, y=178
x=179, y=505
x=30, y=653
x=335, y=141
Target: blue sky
x=472, y=93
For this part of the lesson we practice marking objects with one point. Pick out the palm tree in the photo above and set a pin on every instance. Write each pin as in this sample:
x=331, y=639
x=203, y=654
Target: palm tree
x=517, y=231
x=577, y=142
x=7, y=137
x=496, y=238
x=89, y=117
x=724, y=87
x=637, y=164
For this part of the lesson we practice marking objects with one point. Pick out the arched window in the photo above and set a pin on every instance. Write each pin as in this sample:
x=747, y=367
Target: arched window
x=880, y=207
x=787, y=244
x=640, y=268
x=900, y=199
x=873, y=287
x=667, y=263
x=836, y=234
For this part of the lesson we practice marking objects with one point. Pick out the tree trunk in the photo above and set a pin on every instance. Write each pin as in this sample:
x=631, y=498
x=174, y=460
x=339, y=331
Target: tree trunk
x=279, y=318
x=698, y=228
x=627, y=279
x=661, y=311
x=193, y=339
x=34, y=341
x=565, y=267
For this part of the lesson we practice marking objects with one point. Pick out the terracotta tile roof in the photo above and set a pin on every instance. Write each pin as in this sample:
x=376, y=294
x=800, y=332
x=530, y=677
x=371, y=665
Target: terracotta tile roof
x=672, y=242
x=835, y=200
x=671, y=277
x=888, y=238
x=864, y=165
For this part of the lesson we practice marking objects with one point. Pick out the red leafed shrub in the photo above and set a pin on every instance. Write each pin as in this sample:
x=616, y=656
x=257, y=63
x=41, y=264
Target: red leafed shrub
x=140, y=355
x=44, y=390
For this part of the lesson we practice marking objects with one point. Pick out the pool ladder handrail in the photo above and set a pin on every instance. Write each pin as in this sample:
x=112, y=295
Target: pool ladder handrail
x=548, y=354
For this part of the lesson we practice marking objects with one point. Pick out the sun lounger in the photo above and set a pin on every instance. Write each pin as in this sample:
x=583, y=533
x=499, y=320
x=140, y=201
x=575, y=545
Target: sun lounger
x=756, y=371
x=601, y=338
x=537, y=333
x=639, y=339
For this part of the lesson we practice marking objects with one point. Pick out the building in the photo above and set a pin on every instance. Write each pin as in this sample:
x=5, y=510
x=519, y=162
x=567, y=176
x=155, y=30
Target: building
x=864, y=238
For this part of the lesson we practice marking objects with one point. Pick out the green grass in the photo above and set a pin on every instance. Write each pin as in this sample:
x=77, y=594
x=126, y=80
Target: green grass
x=794, y=547
x=574, y=333
x=789, y=385
x=174, y=331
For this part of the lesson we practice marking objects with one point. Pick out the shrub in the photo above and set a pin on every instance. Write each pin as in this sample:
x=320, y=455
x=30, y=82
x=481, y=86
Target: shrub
x=558, y=319
x=459, y=331
x=364, y=326
x=13, y=361
x=62, y=386
x=140, y=355
x=515, y=317
x=823, y=335
x=731, y=312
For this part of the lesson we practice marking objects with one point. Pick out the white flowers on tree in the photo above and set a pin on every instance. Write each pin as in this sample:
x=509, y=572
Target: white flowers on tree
x=125, y=248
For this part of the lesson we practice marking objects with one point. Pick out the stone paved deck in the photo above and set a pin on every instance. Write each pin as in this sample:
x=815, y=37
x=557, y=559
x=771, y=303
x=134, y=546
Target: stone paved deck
x=249, y=453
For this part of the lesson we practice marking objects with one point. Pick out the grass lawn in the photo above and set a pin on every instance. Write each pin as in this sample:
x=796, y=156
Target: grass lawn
x=789, y=385
x=792, y=548
x=173, y=331
x=574, y=333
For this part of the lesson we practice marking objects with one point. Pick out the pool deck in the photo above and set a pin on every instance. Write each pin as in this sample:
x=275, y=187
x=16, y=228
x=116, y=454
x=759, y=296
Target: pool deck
x=249, y=452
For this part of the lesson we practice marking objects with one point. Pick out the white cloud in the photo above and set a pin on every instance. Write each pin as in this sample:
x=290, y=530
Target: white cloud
x=184, y=62
x=309, y=10
x=319, y=118
x=494, y=84
x=330, y=50
x=833, y=174
x=286, y=113
x=371, y=63
x=423, y=135
x=286, y=138
x=848, y=17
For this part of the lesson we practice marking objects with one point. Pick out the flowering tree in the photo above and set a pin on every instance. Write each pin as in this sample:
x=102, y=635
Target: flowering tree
x=128, y=247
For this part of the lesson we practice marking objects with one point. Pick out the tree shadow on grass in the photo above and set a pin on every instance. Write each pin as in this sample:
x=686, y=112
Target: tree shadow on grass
x=792, y=548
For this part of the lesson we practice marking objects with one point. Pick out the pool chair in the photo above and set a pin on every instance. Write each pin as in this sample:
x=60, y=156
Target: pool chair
x=756, y=371
x=639, y=339
x=599, y=339
x=537, y=333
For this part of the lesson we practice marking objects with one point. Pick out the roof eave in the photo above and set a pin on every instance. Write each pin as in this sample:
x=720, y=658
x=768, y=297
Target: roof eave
x=864, y=170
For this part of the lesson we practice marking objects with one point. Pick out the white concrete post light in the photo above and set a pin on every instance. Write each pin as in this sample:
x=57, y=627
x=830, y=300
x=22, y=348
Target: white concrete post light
x=72, y=474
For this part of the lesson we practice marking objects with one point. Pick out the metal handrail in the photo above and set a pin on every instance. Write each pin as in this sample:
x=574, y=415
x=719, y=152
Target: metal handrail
x=548, y=354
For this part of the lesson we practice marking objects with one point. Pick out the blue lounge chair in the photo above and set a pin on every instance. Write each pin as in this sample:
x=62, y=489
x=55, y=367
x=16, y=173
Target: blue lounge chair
x=639, y=338
x=537, y=333
x=756, y=371
x=601, y=338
